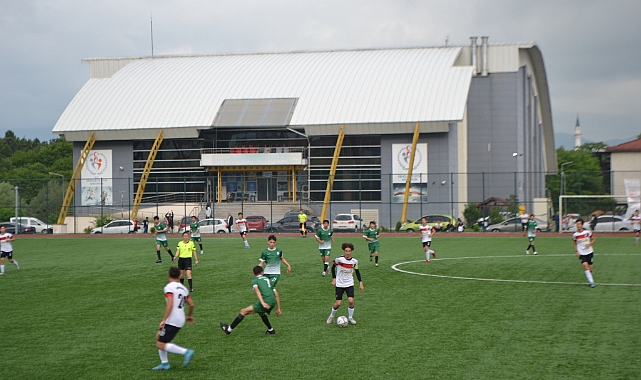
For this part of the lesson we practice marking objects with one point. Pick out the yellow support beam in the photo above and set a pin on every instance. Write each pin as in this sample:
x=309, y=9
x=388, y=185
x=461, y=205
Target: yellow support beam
x=145, y=174
x=408, y=182
x=71, y=188
x=332, y=172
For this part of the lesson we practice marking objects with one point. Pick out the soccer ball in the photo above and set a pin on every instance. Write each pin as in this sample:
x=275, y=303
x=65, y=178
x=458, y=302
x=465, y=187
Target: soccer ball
x=341, y=321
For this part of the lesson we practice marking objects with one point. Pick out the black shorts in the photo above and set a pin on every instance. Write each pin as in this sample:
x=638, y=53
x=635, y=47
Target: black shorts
x=427, y=243
x=523, y=225
x=168, y=333
x=340, y=291
x=184, y=263
x=586, y=258
x=7, y=254
x=243, y=233
x=637, y=231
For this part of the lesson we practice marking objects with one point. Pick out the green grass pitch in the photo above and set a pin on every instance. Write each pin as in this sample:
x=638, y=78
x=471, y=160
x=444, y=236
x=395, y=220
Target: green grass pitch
x=89, y=307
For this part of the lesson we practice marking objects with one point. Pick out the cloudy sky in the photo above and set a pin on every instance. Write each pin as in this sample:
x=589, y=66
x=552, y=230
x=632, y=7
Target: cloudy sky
x=592, y=49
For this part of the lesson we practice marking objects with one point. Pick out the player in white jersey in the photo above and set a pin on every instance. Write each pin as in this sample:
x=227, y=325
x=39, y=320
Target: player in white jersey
x=176, y=295
x=583, y=242
x=241, y=224
x=636, y=225
x=6, y=249
x=427, y=232
x=343, y=280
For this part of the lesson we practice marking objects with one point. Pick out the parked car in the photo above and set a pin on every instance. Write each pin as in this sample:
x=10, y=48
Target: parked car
x=347, y=222
x=432, y=219
x=256, y=223
x=184, y=222
x=22, y=229
x=40, y=226
x=514, y=225
x=115, y=227
x=291, y=224
x=213, y=226
x=607, y=223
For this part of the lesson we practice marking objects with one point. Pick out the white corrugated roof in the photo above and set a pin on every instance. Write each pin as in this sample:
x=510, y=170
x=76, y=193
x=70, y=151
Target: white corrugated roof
x=334, y=87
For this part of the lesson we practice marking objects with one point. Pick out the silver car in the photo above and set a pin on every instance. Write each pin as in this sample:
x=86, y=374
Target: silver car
x=514, y=225
x=607, y=223
x=115, y=227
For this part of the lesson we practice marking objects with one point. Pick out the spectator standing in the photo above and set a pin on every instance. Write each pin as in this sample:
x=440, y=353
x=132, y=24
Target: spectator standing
x=145, y=225
x=230, y=221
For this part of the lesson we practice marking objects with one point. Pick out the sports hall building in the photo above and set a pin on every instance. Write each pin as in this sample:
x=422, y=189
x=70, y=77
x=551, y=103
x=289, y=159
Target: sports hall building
x=264, y=127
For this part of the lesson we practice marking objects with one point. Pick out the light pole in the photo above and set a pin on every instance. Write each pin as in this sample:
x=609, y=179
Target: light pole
x=63, y=184
x=562, y=184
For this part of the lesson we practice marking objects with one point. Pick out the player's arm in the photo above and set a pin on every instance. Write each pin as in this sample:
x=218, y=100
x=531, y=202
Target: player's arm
x=360, y=280
x=318, y=239
x=10, y=239
x=576, y=250
x=168, y=307
x=260, y=297
x=366, y=238
x=334, y=273
x=261, y=262
x=592, y=240
x=190, y=312
x=193, y=252
x=289, y=267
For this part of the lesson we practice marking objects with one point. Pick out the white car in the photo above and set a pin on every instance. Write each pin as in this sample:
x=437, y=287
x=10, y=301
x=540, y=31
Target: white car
x=347, y=222
x=210, y=226
x=607, y=223
x=40, y=226
x=115, y=227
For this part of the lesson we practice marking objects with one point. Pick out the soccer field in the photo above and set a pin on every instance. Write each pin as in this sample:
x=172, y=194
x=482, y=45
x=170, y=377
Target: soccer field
x=89, y=308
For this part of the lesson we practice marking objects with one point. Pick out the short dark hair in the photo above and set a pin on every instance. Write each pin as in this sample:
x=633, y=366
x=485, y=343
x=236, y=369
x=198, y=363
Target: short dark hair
x=258, y=270
x=347, y=245
x=580, y=220
x=174, y=272
x=156, y=217
x=185, y=232
x=194, y=217
x=240, y=213
x=372, y=222
x=271, y=237
x=325, y=221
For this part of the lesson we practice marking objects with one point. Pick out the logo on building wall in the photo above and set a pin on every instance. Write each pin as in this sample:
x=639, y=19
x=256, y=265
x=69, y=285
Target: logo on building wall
x=97, y=163
x=401, y=154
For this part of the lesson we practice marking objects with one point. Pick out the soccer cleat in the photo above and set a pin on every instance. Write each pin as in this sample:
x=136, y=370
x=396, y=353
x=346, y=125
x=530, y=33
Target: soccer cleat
x=527, y=252
x=162, y=367
x=158, y=261
x=201, y=252
x=191, y=290
x=376, y=264
x=17, y=266
x=592, y=284
x=330, y=319
x=535, y=253
x=352, y=321
x=1, y=273
x=433, y=254
x=323, y=274
x=187, y=357
x=225, y=328
x=427, y=261
x=270, y=332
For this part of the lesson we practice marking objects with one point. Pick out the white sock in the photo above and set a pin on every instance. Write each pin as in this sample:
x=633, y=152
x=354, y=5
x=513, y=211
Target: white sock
x=427, y=255
x=588, y=275
x=333, y=313
x=15, y=263
x=350, y=312
x=246, y=243
x=175, y=349
x=636, y=239
x=1, y=268
x=163, y=356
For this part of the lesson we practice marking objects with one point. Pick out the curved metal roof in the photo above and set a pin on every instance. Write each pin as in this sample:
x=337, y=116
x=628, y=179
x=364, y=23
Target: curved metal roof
x=334, y=87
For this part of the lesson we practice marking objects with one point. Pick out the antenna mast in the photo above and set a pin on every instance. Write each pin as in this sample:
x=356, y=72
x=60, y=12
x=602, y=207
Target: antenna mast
x=151, y=23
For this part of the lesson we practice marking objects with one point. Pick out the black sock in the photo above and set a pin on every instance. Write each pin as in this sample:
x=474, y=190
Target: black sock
x=266, y=321
x=170, y=254
x=190, y=283
x=182, y=280
x=201, y=246
x=533, y=249
x=158, y=253
x=326, y=265
x=528, y=248
x=236, y=321
x=376, y=259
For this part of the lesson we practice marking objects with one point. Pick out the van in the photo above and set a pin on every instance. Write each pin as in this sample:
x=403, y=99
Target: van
x=40, y=226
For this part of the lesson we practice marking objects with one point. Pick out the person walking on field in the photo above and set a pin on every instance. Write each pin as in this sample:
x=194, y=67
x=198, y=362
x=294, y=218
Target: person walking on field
x=583, y=242
x=343, y=281
x=161, y=238
x=427, y=232
x=241, y=224
x=184, y=253
x=6, y=249
x=530, y=230
x=302, y=218
x=636, y=226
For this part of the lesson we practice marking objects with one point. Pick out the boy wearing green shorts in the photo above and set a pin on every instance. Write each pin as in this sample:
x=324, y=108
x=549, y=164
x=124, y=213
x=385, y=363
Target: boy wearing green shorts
x=325, y=238
x=195, y=232
x=270, y=259
x=161, y=238
x=530, y=228
x=266, y=301
x=371, y=235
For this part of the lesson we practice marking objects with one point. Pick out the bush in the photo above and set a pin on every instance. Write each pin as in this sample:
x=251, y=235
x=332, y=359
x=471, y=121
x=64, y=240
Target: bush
x=98, y=221
x=152, y=230
x=476, y=228
x=398, y=226
x=383, y=229
x=495, y=215
x=471, y=214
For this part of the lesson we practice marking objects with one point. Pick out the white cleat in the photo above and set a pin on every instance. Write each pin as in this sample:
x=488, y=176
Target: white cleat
x=535, y=253
x=330, y=320
x=352, y=321
x=527, y=252
x=323, y=274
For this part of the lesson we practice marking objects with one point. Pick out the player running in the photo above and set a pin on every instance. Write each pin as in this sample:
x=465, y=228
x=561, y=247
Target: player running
x=344, y=281
x=270, y=259
x=371, y=235
x=583, y=242
x=530, y=230
x=6, y=249
x=241, y=224
x=184, y=252
x=427, y=232
x=174, y=319
x=195, y=232
x=161, y=238
x=262, y=286
x=325, y=238
x=636, y=225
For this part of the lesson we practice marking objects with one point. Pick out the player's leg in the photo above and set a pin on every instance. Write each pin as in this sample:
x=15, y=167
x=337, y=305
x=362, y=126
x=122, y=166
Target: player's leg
x=350, y=305
x=182, y=275
x=426, y=249
x=270, y=329
x=636, y=238
x=305, y=229
x=243, y=312
x=166, y=245
x=587, y=270
x=164, y=345
x=533, y=247
x=200, y=244
x=14, y=262
x=2, y=263
x=337, y=304
x=158, y=252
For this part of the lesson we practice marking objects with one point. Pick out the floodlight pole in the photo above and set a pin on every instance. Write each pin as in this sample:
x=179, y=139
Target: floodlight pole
x=17, y=223
x=562, y=185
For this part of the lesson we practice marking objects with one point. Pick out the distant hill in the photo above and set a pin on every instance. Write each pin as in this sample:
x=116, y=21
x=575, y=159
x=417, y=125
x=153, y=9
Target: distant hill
x=566, y=140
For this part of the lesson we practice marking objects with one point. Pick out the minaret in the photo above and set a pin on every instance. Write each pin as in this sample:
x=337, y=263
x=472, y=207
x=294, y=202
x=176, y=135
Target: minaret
x=577, y=134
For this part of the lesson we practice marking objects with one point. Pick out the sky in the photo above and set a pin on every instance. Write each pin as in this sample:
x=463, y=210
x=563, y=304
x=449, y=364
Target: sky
x=591, y=49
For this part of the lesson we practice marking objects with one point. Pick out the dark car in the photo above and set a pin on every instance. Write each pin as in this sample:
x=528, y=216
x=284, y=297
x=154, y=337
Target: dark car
x=291, y=224
x=256, y=223
x=22, y=229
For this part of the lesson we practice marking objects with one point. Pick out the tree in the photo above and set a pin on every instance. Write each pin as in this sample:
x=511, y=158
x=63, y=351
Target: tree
x=471, y=214
x=7, y=201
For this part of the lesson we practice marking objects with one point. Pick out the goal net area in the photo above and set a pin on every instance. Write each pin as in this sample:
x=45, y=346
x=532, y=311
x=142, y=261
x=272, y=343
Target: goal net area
x=600, y=213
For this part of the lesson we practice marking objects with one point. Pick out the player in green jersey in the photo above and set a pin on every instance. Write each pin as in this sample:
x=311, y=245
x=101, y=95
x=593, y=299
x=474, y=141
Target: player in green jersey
x=530, y=229
x=195, y=232
x=161, y=238
x=270, y=259
x=266, y=301
x=371, y=235
x=325, y=238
